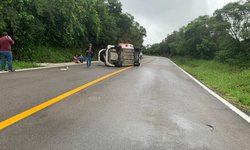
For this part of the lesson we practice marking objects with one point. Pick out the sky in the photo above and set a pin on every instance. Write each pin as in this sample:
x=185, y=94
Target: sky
x=162, y=17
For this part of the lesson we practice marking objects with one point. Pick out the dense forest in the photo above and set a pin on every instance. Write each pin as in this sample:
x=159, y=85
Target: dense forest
x=39, y=25
x=225, y=36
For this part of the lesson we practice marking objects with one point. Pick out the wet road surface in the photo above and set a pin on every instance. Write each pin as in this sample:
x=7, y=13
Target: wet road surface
x=152, y=107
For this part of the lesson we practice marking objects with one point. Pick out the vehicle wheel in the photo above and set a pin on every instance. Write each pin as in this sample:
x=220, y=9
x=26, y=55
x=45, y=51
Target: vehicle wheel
x=137, y=64
x=118, y=64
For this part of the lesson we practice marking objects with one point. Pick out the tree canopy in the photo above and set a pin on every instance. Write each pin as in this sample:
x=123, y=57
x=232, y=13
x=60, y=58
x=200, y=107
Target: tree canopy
x=224, y=36
x=68, y=23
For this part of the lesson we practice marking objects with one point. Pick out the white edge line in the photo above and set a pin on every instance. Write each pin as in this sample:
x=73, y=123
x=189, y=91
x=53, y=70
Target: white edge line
x=40, y=68
x=236, y=110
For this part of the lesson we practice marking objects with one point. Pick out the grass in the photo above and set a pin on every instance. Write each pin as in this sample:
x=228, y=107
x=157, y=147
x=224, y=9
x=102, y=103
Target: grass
x=22, y=65
x=46, y=54
x=43, y=54
x=231, y=82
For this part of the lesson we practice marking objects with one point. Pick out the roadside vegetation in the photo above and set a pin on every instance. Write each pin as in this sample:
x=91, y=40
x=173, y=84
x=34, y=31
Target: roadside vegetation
x=216, y=50
x=232, y=82
x=53, y=30
x=224, y=37
x=22, y=65
x=49, y=54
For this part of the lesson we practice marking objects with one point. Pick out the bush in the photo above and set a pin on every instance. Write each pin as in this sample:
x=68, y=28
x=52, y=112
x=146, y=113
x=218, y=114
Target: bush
x=46, y=54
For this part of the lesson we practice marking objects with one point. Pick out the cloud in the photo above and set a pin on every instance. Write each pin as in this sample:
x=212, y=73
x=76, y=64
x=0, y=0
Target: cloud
x=162, y=17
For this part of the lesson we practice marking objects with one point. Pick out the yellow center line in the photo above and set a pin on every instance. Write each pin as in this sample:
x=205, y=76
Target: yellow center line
x=8, y=122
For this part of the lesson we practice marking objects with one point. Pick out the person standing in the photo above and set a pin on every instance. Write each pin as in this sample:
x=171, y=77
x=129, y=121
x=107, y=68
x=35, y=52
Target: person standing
x=89, y=55
x=5, y=51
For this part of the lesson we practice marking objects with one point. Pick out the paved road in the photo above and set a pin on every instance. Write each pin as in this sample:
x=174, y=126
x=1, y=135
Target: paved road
x=152, y=107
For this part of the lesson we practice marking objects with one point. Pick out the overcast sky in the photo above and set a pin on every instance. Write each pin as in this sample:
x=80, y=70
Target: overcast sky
x=162, y=17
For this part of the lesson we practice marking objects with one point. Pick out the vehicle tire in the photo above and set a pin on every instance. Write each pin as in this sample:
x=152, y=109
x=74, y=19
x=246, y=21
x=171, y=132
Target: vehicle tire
x=137, y=64
x=119, y=49
x=119, y=61
x=118, y=64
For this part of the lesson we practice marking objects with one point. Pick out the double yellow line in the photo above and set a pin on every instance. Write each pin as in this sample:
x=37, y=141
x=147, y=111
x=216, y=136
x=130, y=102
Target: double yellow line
x=29, y=112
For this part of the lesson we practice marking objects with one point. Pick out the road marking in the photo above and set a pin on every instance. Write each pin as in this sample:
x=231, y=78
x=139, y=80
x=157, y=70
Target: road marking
x=229, y=105
x=29, y=112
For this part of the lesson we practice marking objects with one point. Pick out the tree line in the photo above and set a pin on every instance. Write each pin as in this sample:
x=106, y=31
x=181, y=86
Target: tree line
x=225, y=36
x=68, y=24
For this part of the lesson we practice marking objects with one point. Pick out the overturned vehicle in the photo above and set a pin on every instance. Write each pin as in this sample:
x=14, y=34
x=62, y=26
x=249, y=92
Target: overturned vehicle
x=119, y=56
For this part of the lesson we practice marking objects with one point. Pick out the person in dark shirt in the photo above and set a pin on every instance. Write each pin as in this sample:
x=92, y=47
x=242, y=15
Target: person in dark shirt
x=80, y=58
x=5, y=51
x=89, y=55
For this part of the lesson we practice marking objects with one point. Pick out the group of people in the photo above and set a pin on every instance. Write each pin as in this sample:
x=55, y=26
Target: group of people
x=89, y=55
x=78, y=58
x=6, y=53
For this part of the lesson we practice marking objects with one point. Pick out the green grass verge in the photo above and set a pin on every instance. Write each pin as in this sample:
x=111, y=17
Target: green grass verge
x=23, y=65
x=231, y=82
x=46, y=54
x=43, y=54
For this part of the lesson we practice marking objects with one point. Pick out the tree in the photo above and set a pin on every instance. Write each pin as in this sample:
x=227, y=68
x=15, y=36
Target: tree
x=225, y=36
x=67, y=24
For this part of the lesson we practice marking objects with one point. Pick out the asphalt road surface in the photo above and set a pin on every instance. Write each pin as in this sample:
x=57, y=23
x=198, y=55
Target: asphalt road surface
x=151, y=107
